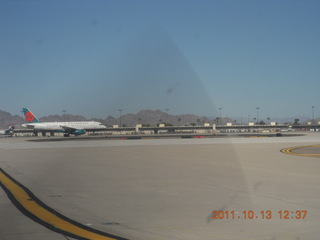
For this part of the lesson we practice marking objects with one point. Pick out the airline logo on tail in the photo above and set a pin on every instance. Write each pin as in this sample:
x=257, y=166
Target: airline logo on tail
x=10, y=130
x=29, y=116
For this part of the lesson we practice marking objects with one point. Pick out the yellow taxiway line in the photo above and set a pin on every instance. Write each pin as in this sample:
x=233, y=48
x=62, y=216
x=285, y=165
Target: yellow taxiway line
x=290, y=149
x=32, y=207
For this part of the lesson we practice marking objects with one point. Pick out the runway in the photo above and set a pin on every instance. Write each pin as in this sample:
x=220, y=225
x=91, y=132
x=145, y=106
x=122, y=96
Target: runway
x=215, y=188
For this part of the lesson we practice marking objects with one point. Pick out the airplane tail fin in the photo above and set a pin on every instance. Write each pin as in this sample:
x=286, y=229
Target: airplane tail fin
x=29, y=116
x=9, y=130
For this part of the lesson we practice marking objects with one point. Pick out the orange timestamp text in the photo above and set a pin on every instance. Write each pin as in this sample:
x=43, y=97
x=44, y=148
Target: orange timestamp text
x=264, y=214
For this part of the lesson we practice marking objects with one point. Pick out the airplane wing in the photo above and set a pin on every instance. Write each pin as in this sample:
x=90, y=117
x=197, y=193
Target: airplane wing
x=28, y=125
x=68, y=129
x=72, y=130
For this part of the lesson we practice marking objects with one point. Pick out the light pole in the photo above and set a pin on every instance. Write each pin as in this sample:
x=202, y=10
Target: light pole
x=220, y=116
x=258, y=114
x=313, y=115
x=167, y=110
x=22, y=118
x=64, y=115
x=120, y=110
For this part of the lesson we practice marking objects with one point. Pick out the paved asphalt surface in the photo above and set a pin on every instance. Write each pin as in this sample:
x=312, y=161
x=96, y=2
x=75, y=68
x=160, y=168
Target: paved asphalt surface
x=167, y=188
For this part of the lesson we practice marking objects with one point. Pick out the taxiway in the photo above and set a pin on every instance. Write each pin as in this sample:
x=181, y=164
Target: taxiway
x=166, y=188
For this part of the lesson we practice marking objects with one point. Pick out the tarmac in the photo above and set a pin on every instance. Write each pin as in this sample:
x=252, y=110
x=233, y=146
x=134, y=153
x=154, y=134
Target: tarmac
x=197, y=188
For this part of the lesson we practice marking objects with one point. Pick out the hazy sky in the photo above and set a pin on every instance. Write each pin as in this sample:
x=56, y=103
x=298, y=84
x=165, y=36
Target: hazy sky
x=95, y=57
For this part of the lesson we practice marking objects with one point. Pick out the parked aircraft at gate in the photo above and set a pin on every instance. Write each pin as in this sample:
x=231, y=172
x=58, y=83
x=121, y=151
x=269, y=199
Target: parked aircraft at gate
x=75, y=128
x=8, y=131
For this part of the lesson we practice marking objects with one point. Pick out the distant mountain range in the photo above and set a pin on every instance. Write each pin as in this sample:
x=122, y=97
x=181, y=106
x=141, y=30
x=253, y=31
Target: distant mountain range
x=145, y=117
x=6, y=119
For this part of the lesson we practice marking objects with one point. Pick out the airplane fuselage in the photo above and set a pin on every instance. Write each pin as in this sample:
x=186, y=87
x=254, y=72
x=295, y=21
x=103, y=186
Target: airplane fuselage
x=4, y=132
x=75, y=128
x=86, y=125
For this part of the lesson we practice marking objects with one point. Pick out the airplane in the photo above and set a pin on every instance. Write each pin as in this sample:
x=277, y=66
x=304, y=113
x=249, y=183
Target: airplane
x=75, y=128
x=7, y=132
